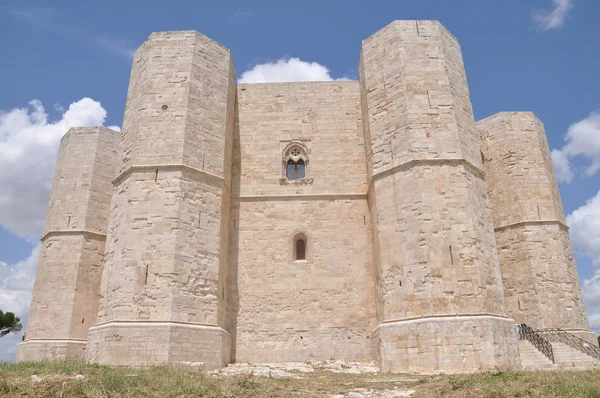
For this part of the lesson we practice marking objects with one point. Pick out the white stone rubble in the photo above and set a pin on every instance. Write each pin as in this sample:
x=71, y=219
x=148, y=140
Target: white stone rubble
x=292, y=369
x=370, y=393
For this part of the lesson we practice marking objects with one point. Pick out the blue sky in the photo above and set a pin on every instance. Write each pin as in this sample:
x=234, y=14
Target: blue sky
x=74, y=58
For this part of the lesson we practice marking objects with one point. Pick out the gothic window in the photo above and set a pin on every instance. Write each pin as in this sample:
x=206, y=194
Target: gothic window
x=295, y=162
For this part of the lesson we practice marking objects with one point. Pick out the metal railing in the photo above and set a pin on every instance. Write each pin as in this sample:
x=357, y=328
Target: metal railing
x=526, y=333
x=569, y=339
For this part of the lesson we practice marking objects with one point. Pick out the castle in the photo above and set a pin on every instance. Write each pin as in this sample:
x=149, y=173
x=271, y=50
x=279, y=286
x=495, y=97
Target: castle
x=369, y=220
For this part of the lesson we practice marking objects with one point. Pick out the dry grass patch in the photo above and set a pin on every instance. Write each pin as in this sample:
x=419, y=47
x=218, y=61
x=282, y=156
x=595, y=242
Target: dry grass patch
x=514, y=384
x=58, y=380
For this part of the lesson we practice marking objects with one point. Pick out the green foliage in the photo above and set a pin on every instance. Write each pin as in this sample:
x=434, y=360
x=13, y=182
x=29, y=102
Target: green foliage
x=9, y=323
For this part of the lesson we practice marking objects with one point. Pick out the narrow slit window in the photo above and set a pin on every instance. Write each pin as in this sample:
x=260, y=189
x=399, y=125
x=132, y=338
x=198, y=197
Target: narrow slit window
x=300, y=245
x=300, y=249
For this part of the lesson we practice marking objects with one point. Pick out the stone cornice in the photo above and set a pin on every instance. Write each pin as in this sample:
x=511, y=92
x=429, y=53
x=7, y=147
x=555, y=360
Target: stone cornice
x=144, y=323
x=525, y=223
x=77, y=341
x=280, y=198
x=427, y=162
x=72, y=232
x=172, y=167
x=443, y=317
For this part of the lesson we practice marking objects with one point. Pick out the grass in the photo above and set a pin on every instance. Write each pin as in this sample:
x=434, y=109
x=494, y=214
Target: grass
x=100, y=381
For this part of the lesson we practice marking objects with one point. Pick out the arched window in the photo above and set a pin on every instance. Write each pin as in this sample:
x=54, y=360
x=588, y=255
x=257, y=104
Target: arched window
x=295, y=161
x=300, y=244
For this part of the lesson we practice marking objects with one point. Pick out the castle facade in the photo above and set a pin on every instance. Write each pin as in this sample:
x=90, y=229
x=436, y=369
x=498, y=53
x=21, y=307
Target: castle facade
x=369, y=220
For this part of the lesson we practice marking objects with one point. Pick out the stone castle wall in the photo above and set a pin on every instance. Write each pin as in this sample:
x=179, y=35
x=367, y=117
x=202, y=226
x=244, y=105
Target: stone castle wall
x=322, y=307
x=424, y=243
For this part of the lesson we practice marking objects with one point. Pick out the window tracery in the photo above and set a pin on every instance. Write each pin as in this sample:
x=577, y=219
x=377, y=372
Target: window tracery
x=295, y=164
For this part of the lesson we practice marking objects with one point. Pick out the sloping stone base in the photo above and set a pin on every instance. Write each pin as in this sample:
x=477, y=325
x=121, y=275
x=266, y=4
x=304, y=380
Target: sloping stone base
x=51, y=350
x=142, y=344
x=457, y=344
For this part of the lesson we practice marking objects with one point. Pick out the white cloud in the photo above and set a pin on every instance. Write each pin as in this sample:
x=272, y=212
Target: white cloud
x=28, y=148
x=585, y=236
x=553, y=18
x=585, y=228
x=33, y=14
x=239, y=14
x=562, y=166
x=55, y=20
x=287, y=70
x=582, y=141
x=591, y=296
x=16, y=283
x=121, y=47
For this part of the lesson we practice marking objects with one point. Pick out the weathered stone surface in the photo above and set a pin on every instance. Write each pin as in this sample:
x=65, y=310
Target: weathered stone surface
x=323, y=307
x=384, y=249
x=164, y=287
x=541, y=284
x=433, y=240
x=65, y=294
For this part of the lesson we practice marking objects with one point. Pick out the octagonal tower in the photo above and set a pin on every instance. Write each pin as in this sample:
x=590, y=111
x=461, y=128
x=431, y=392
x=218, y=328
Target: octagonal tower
x=164, y=287
x=541, y=284
x=65, y=295
x=441, y=303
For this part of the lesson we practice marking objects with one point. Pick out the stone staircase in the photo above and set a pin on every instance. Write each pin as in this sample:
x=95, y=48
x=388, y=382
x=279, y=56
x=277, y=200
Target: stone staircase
x=532, y=358
x=568, y=357
x=553, y=349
